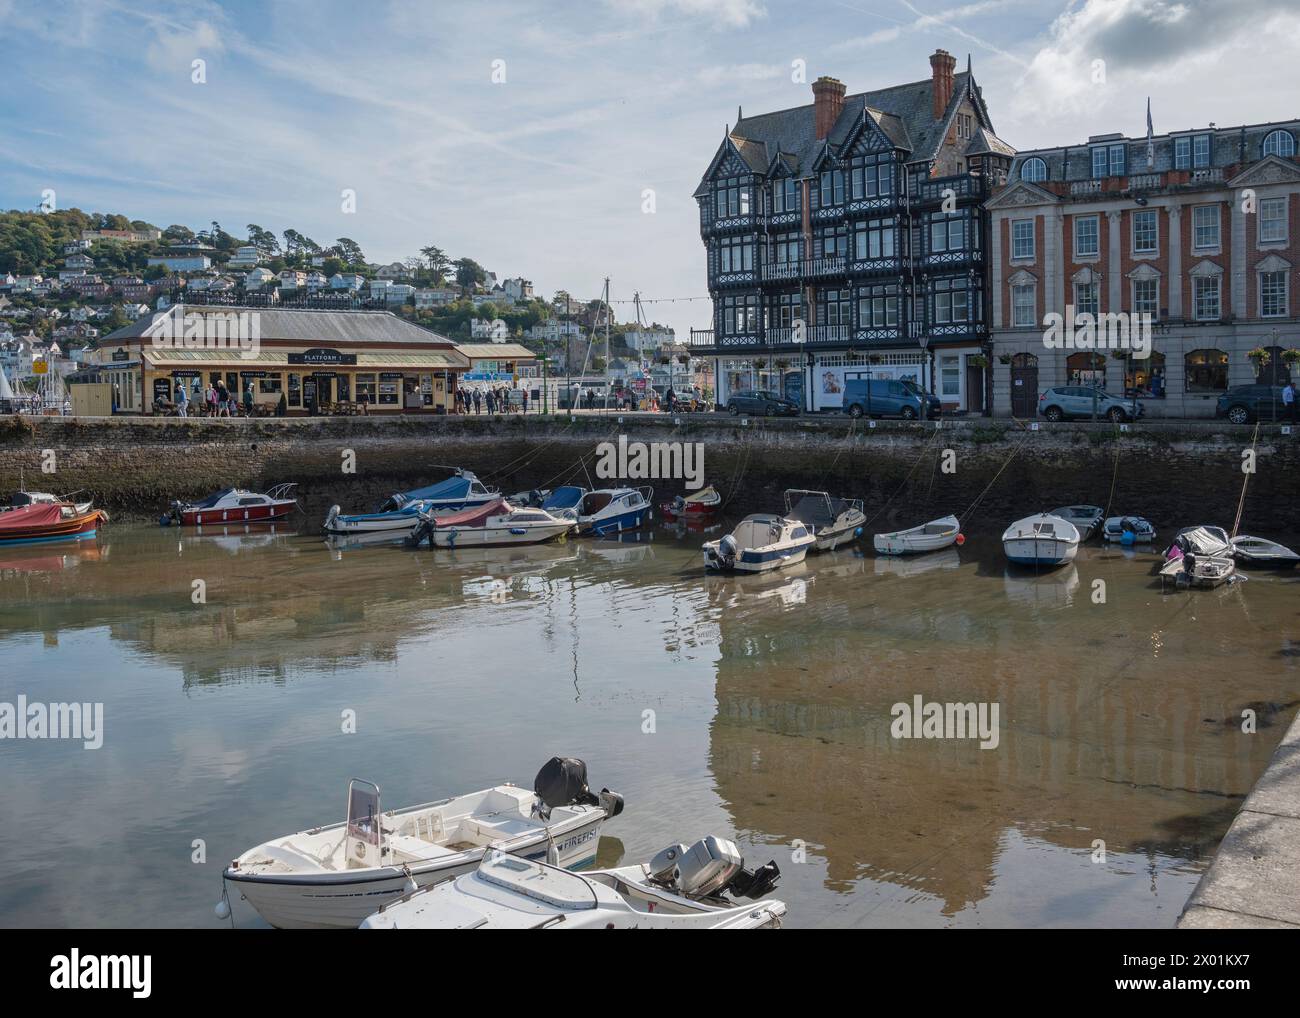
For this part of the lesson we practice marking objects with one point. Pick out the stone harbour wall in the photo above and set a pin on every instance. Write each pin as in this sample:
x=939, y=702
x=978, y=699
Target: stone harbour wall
x=1176, y=475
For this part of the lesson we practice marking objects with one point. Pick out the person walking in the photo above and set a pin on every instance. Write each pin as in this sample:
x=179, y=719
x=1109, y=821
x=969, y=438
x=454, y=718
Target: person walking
x=524, y=392
x=210, y=398
x=182, y=399
x=1288, y=402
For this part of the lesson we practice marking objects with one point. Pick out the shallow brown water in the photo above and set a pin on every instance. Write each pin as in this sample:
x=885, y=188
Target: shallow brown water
x=1119, y=721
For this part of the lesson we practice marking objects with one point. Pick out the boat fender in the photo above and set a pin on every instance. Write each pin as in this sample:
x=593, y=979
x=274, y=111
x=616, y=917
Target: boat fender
x=164, y=521
x=961, y=539
x=223, y=909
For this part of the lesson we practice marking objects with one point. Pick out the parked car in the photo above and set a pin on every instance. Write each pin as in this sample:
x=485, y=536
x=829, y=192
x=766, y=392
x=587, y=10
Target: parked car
x=1082, y=401
x=763, y=402
x=1245, y=404
x=889, y=397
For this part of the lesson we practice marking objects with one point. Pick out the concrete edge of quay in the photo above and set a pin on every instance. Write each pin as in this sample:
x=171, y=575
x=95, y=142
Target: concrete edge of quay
x=1254, y=880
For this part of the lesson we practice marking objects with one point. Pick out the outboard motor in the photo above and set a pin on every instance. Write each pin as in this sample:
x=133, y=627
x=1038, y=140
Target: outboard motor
x=710, y=867
x=423, y=529
x=562, y=781
x=331, y=516
x=727, y=551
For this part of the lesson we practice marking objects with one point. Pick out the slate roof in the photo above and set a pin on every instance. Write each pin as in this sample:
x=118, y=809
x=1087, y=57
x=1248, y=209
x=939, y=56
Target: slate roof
x=903, y=112
x=299, y=326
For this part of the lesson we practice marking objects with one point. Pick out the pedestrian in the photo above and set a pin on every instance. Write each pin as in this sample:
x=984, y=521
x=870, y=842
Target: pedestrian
x=182, y=399
x=1288, y=402
x=524, y=393
x=248, y=399
x=210, y=399
x=490, y=398
x=282, y=408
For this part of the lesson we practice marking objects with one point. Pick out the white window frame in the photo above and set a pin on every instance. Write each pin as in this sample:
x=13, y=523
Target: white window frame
x=1101, y=164
x=1197, y=210
x=1285, y=294
x=1034, y=161
x=1183, y=153
x=1031, y=306
x=1200, y=162
x=1154, y=308
x=1280, y=221
x=1279, y=134
x=1197, y=283
x=1016, y=253
x=1154, y=249
x=1094, y=305
x=1096, y=236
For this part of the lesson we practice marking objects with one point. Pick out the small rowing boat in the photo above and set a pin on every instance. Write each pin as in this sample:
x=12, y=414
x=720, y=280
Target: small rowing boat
x=681, y=888
x=49, y=521
x=1204, y=571
x=335, y=876
x=930, y=536
x=832, y=521
x=1086, y=518
x=1261, y=553
x=759, y=543
x=1041, y=540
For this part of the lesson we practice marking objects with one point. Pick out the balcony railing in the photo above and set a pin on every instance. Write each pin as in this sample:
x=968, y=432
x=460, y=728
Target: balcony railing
x=962, y=186
x=1085, y=187
x=1207, y=175
x=806, y=268
x=1146, y=181
x=701, y=337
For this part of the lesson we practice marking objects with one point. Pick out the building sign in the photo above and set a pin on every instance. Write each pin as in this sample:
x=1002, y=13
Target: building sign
x=162, y=389
x=186, y=374
x=390, y=374
x=251, y=374
x=322, y=355
x=121, y=355
x=487, y=376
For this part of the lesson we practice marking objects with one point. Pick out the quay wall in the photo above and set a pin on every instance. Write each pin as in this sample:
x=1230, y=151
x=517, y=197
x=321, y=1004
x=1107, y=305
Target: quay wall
x=1175, y=474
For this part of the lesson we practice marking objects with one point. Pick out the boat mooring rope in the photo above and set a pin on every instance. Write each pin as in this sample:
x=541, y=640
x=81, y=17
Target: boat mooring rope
x=1241, y=502
x=970, y=509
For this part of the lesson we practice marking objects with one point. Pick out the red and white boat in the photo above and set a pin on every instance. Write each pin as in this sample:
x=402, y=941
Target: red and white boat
x=702, y=506
x=49, y=521
x=235, y=505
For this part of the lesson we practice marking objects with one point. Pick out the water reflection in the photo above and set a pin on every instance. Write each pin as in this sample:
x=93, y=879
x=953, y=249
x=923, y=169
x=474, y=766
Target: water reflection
x=770, y=696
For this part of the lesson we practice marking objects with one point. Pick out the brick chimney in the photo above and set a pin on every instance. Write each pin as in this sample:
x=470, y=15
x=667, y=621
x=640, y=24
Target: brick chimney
x=942, y=64
x=828, y=100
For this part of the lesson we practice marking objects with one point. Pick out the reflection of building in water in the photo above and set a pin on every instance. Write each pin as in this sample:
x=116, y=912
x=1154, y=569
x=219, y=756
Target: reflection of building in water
x=1099, y=738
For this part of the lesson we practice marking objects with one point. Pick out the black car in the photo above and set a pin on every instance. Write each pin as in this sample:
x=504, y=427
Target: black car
x=763, y=402
x=1245, y=404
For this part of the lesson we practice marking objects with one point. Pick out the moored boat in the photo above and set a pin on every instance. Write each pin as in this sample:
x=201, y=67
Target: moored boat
x=1128, y=530
x=611, y=510
x=401, y=513
x=1086, y=518
x=235, y=505
x=1204, y=540
x=1261, y=553
x=832, y=521
x=21, y=499
x=335, y=876
x=930, y=536
x=49, y=521
x=759, y=543
x=1041, y=540
x=1204, y=571
x=697, y=507
x=681, y=888
x=496, y=523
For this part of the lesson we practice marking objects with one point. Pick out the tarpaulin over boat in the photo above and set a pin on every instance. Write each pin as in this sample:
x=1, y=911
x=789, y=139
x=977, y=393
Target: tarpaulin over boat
x=819, y=510
x=563, y=780
x=472, y=517
x=452, y=487
x=41, y=515
x=566, y=497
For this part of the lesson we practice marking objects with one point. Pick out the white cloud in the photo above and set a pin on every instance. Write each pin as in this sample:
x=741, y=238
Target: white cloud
x=730, y=13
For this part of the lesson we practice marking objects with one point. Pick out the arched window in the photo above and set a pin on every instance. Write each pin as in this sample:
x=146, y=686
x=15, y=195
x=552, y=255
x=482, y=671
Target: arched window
x=1086, y=369
x=1024, y=360
x=1205, y=371
x=1034, y=170
x=1279, y=143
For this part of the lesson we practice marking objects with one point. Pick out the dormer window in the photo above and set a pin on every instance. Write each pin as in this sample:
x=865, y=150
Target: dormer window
x=786, y=195
x=1033, y=170
x=1279, y=143
x=731, y=197
x=1109, y=161
x=832, y=188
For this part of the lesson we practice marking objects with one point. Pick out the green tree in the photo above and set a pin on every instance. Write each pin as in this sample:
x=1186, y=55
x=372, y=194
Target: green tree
x=469, y=273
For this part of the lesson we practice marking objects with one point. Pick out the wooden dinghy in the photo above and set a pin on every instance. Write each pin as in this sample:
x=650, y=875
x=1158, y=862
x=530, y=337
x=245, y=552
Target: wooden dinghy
x=49, y=521
x=930, y=536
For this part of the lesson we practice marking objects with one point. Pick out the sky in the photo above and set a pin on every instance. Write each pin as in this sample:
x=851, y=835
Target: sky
x=560, y=141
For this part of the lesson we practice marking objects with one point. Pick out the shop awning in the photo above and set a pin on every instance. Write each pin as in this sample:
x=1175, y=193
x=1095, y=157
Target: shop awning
x=164, y=358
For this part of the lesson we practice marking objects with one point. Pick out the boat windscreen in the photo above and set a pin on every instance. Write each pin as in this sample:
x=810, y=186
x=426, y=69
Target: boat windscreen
x=818, y=510
x=211, y=500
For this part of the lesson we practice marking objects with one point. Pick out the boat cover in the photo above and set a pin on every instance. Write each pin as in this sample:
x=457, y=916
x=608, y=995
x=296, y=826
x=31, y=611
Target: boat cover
x=1201, y=541
x=820, y=511
x=212, y=499
x=475, y=516
x=566, y=497
x=44, y=514
x=452, y=487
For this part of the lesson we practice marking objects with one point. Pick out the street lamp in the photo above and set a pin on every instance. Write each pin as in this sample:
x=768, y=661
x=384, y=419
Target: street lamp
x=926, y=363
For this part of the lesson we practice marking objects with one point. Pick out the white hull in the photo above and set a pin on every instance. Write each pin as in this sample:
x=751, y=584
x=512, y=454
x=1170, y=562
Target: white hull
x=477, y=537
x=778, y=560
x=932, y=536
x=1040, y=551
x=343, y=900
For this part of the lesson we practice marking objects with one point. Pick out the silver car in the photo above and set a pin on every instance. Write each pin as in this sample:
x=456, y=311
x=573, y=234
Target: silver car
x=1067, y=401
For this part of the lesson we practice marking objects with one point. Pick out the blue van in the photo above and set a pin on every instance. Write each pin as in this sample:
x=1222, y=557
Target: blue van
x=889, y=397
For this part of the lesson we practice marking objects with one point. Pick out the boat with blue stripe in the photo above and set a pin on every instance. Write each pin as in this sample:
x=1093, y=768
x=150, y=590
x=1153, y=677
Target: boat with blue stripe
x=608, y=510
x=760, y=543
x=402, y=512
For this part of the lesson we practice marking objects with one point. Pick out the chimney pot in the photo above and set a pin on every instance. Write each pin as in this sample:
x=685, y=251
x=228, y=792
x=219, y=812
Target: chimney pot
x=828, y=100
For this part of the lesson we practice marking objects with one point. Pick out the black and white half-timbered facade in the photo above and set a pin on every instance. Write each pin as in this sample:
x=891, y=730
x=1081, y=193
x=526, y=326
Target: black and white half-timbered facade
x=846, y=239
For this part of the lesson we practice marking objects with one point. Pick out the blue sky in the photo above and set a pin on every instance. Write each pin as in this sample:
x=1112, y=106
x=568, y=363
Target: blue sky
x=543, y=174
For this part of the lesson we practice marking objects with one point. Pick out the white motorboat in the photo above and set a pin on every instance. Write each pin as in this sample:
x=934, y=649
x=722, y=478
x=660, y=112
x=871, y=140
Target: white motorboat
x=759, y=543
x=1041, y=540
x=1207, y=541
x=930, y=536
x=1193, y=570
x=234, y=505
x=613, y=510
x=833, y=521
x=1128, y=530
x=496, y=523
x=1261, y=553
x=401, y=513
x=335, y=876
x=679, y=889
x=1086, y=518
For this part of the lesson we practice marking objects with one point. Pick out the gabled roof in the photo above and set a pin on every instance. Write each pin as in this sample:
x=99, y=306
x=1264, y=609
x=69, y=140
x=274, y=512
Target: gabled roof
x=903, y=113
x=292, y=325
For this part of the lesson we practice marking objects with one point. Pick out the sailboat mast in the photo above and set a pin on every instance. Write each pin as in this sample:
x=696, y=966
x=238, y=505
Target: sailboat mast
x=608, y=314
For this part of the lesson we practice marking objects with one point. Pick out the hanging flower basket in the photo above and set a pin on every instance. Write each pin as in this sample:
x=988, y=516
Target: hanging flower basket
x=1291, y=356
x=1260, y=356
x=874, y=358
x=782, y=363
x=977, y=360
x=1004, y=358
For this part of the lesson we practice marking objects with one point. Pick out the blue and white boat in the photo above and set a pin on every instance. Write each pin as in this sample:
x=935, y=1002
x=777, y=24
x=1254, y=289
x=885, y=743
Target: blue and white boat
x=612, y=510
x=1128, y=530
x=401, y=513
x=1041, y=540
x=760, y=543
